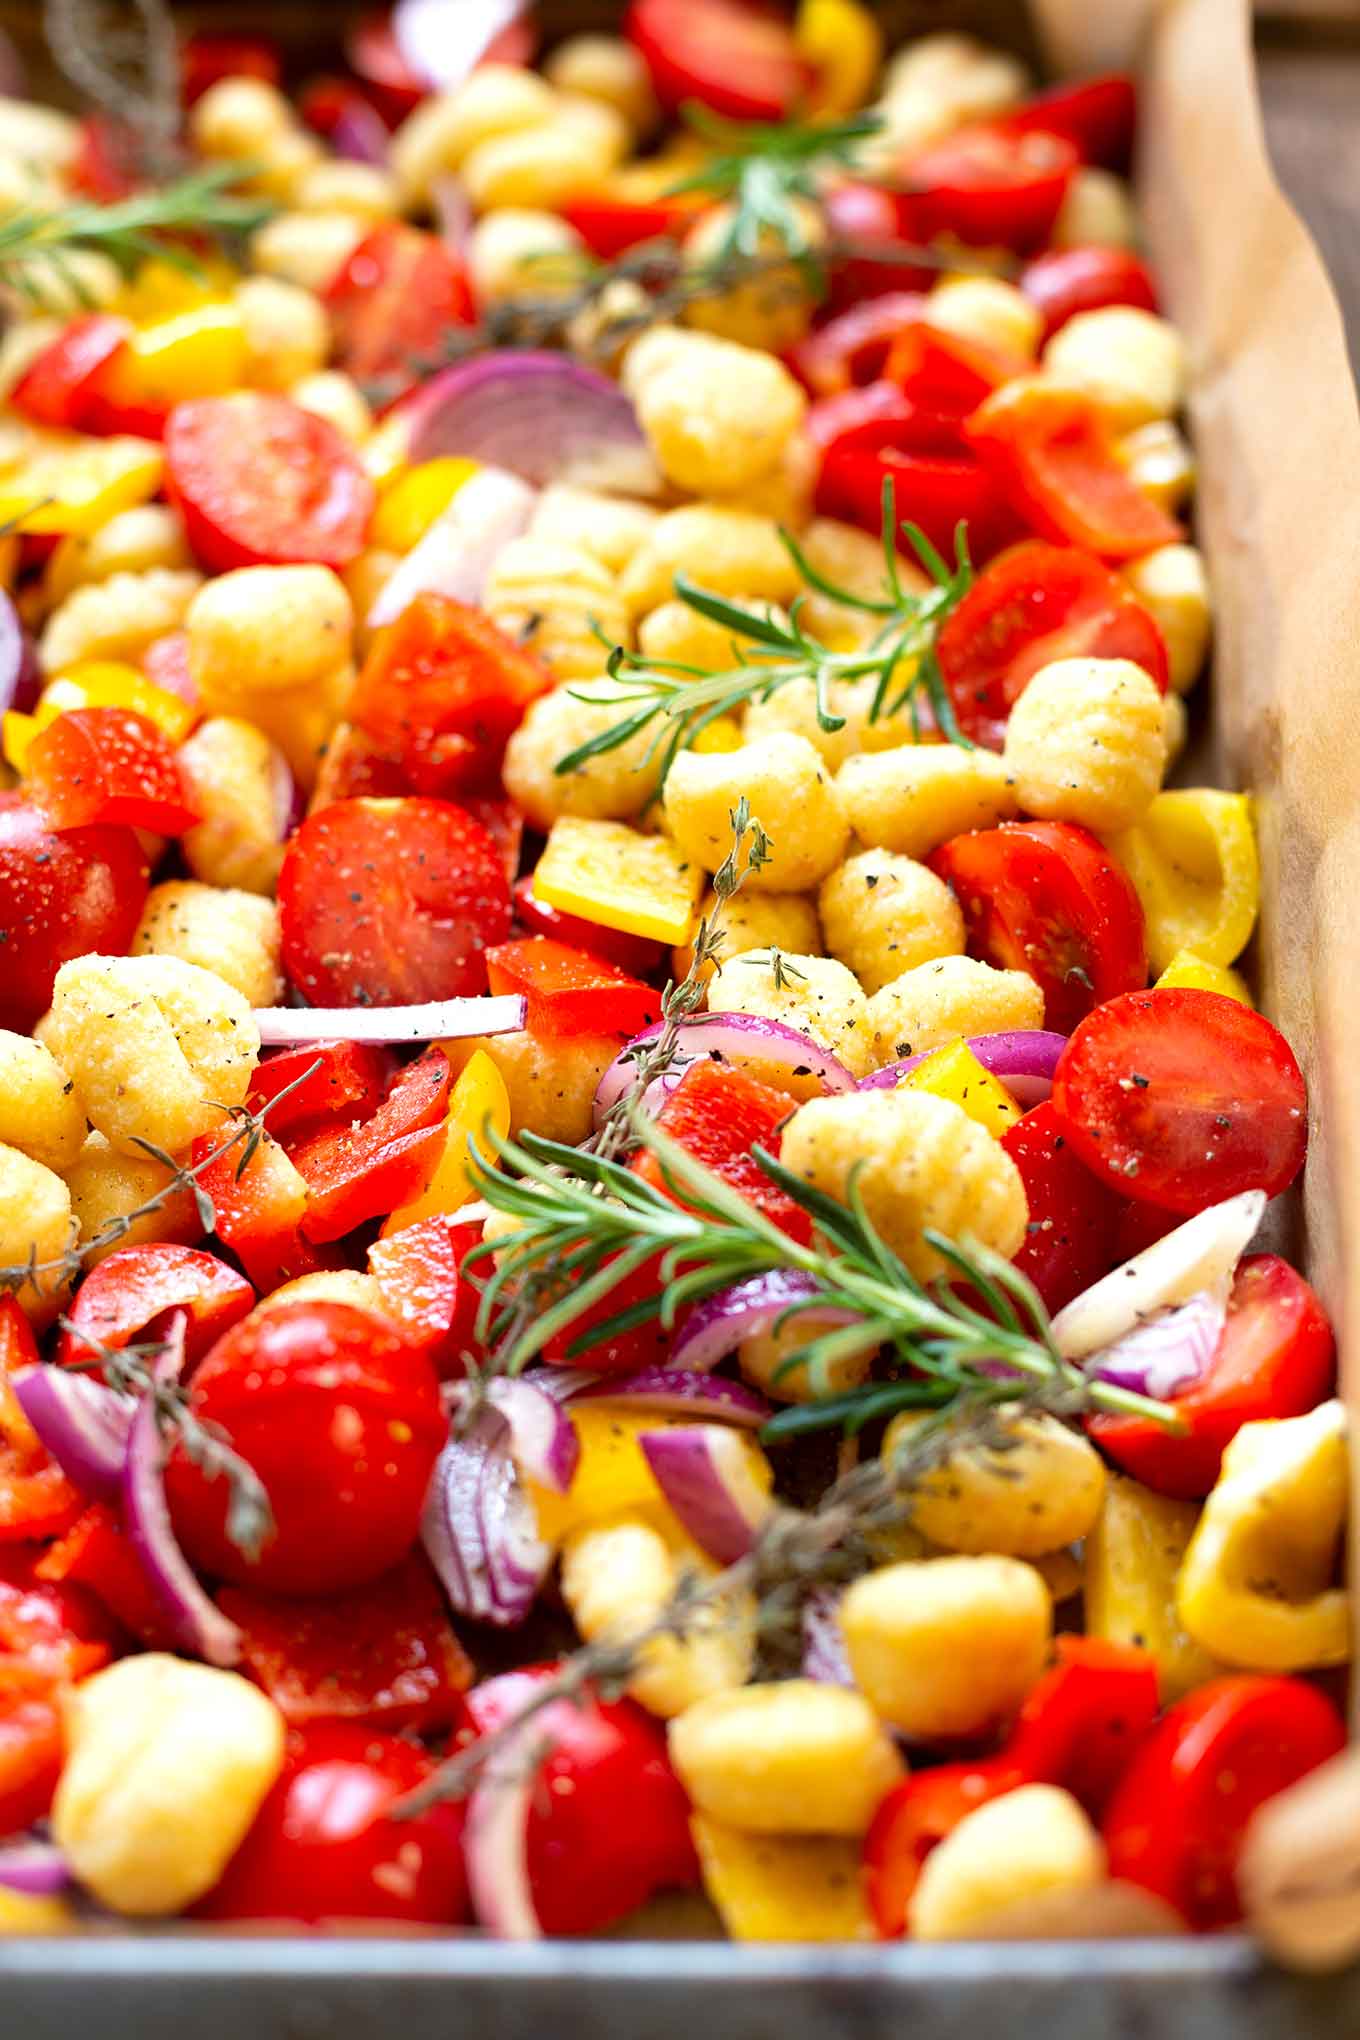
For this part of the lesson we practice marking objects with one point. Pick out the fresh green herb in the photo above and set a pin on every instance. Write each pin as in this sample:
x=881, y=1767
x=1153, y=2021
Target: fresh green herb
x=781, y=970
x=123, y=56
x=770, y=175
x=35, y=243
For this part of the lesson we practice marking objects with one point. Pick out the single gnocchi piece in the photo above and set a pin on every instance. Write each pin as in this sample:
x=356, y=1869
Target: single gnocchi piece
x=35, y=1226
x=551, y=1084
x=883, y=914
x=988, y=310
x=167, y=1764
x=136, y=541
x=523, y=251
x=727, y=549
x=39, y=1112
x=338, y=399
x=676, y=632
x=1158, y=459
x=791, y=794
x=916, y=797
x=815, y=994
x=1131, y=361
x=947, y=1647
x=923, y=1165
x=786, y=921
x=1086, y=742
x=287, y=334
x=771, y=308
x=794, y=708
x=607, y=68
x=717, y=415
x=1027, y=1844
x=559, y=599
x=364, y=189
x=307, y=249
x=1039, y=1492
x=117, y=618
x=1097, y=212
x=955, y=995
x=442, y=132
x=267, y=630
x=231, y=933
x=157, y=1048
x=107, y=1187
x=794, y=1757
x=1172, y=584
x=783, y=1887
x=546, y=165
x=241, y=788
x=329, y=1285
x=612, y=786
x=240, y=117
x=612, y=528
x=764, y=1362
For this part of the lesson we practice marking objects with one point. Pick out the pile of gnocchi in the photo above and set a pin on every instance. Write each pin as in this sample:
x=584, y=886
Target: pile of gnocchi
x=523, y=603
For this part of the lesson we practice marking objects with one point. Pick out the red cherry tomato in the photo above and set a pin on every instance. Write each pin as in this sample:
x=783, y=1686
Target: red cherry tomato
x=1176, y=1823
x=1097, y=115
x=351, y=1083
x=98, y=766
x=1031, y=605
x=1065, y=281
x=55, y=388
x=339, y=1415
x=1081, y=1724
x=1181, y=1098
x=569, y=991
x=989, y=186
x=913, y=1819
x=1071, y=1238
x=634, y=953
x=383, y=1655
x=206, y=59
x=611, y=1823
x=1050, y=451
x=442, y=690
x=853, y=348
x=736, y=58
x=863, y=263
x=326, y=1845
x=60, y=896
x=131, y=1291
x=392, y=301
x=354, y=1173
x=391, y=902
x=1047, y=898
x=261, y=482
x=1276, y=1358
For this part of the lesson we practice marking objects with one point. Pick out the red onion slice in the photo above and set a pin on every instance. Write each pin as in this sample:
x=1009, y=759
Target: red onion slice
x=443, y=41
x=286, y=797
x=84, y=1425
x=824, y=1653
x=543, y=416
x=36, y=1868
x=439, y=1020
x=717, y=1326
x=199, y=1626
x=478, y=1527
x=20, y=678
x=705, y=1475
x=496, y=1837
x=672, y=1392
x=1171, y=1349
x=456, y=555
x=360, y=133
x=776, y=1052
x=543, y=1440
x=1024, y=1061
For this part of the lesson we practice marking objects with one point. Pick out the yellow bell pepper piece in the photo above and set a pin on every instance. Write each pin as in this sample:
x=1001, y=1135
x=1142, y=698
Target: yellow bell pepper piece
x=413, y=498
x=954, y=1072
x=1133, y=1557
x=198, y=352
x=613, y=1477
x=57, y=482
x=17, y=732
x=1257, y=1586
x=844, y=45
x=1193, y=974
x=1194, y=866
x=722, y=735
x=108, y=683
x=618, y=878
x=783, y=1887
x=478, y=1096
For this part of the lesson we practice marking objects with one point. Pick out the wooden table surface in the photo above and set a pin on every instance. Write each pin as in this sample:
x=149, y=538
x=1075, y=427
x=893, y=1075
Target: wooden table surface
x=1310, y=92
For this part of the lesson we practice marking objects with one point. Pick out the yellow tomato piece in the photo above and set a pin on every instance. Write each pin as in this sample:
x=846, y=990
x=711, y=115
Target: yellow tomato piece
x=57, y=482
x=1193, y=974
x=954, y=1072
x=1133, y=1556
x=722, y=735
x=108, y=683
x=613, y=1477
x=844, y=45
x=384, y=451
x=478, y=1096
x=783, y=1887
x=200, y=352
x=413, y=499
x=1193, y=862
x=16, y=735
x=610, y=874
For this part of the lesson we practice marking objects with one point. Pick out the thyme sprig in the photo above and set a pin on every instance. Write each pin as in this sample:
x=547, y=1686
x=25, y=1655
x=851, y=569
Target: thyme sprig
x=123, y=55
x=129, y=231
x=769, y=173
x=679, y=700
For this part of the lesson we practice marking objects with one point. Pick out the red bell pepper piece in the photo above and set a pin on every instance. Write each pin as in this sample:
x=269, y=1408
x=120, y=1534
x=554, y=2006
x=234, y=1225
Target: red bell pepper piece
x=717, y=1114
x=128, y=1294
x=384, y=1655
x=627, y=1350
x=853, y=348
x=57, y=1631
x=872, y=435
x=18, y=1345
x=258, y=1211
x=356, y=1173
x=105, y=163
x=1097, y=115
x=915, y=1816
x=864, y=261
x=94, y=1555
x=55, y=388
x=350, y=1083
x=570, y=992
x=1081, y=1724
x=36, y=1498
x=419, y=1273
x=944, y=372
x=636, y=954
x=611, y=225
x=31, y=1746
x=105, y=765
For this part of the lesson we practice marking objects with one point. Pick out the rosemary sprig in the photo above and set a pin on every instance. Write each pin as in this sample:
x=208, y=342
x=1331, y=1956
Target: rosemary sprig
x=769, y=174
x=769, y=653
x=131, y=230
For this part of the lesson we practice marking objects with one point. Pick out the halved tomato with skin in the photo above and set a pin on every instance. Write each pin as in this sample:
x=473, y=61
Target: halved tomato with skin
x=737, y=59
x=1047, y=898
x=1071, y=1238
x=1065, y=281
x=391, y=303
x=987, y=185
x=261, y=482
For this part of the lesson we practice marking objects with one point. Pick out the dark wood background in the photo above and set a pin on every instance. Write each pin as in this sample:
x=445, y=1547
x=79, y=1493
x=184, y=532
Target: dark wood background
x=1310, y=94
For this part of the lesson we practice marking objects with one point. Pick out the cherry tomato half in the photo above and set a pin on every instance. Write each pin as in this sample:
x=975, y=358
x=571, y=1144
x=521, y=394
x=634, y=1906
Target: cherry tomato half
x=391, y=902
x=864, y=261
x=738, y=59
x=261, y=482
x=339, y=1415
x=1097, y=115
x=1081, y=1724
x=391, y=302
x=1047, y=898
x=60, y=896
x=1276, y=1358
x=989, y=186
x=1177, y=1820
x=1071, y=1239
x=133, y=1288
x=1182, y=1098
x=55, y=388
x=1065, y=281
x=1031, y=605
x=914, y=1818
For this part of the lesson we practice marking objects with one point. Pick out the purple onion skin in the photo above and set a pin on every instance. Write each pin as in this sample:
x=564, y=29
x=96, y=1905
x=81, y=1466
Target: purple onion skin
x=20, y=679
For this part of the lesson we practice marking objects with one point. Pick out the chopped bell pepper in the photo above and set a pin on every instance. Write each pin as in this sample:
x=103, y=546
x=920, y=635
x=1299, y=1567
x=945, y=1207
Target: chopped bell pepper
x=259, y=1212
x=1192, y=973
x=104, y=765
x=607, y=872
x=425, y=1288
x=199, y=351
x=1133, y=1558
x=320, y=1082
x=108, y=683
x=954, y=1072
x=413, y=498
x=717, y=1114
x=53, y=483
x=478, y=1097
x=633, y=953
x=1193, y=862
x=96, y=1555
x=782, y=1887
x=844, y=45
x=569, y=991
x=357, y=1173
x=160, y=289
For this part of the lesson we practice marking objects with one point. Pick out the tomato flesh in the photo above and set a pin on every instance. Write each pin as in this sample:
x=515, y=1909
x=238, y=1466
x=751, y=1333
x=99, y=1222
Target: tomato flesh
x=1080, y=1726
x=1071, y=1238
x=1181, y=1098
x=419, y=1272
x=261, y=482
x=736, y=59
x=61, y=895
x=989, y=186
x=912, y=1820
x=55, y=389
x=391, y=303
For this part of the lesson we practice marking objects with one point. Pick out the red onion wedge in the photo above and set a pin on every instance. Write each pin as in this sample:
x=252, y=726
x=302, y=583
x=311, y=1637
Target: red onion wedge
x=780, y=1055
x=456, y=555
x=824, y=1653
x=543, y=416
x=1024, y=1061
x=672, y=1392
x=83, y=1424
x=705, y=1475
x=360, y=133
x=496, y=1837
x=439, y=1020
x=36, y=1868
x=543, y=1440
x=1169, y=1350
x=478, y=1527
x=442, y=41
x=199, y=1627
x=717, y=1326
x=1196, y=1256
